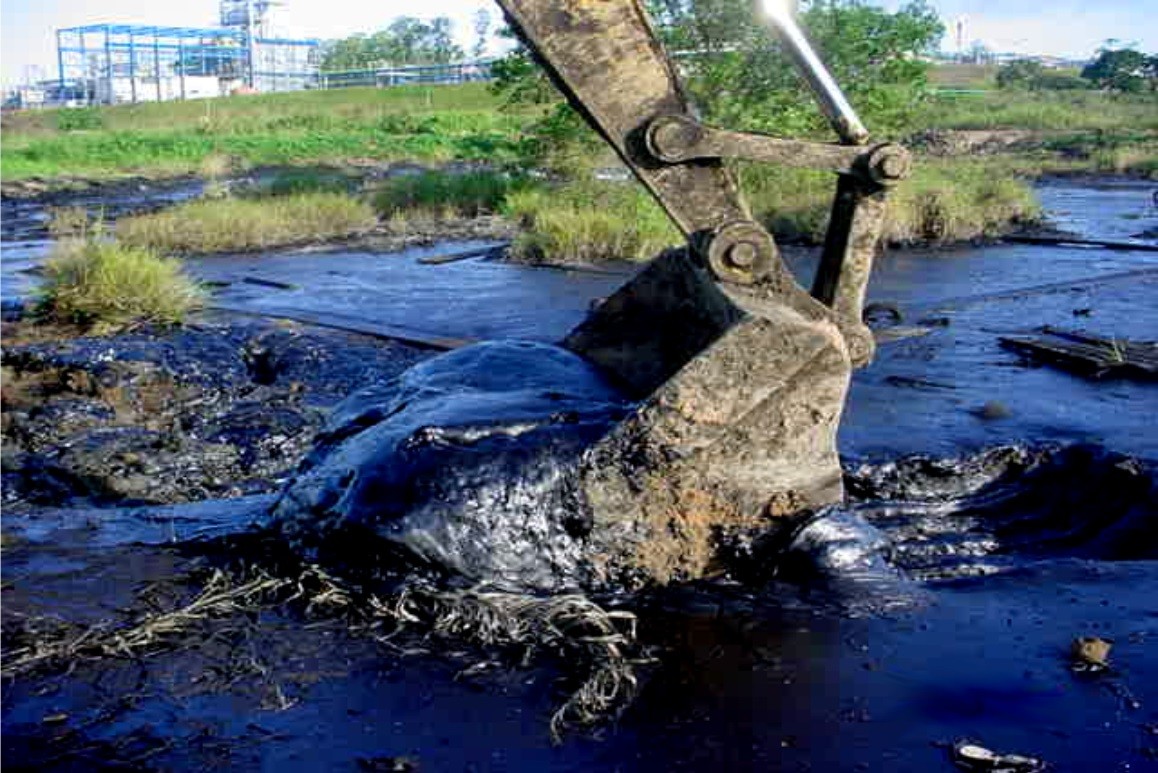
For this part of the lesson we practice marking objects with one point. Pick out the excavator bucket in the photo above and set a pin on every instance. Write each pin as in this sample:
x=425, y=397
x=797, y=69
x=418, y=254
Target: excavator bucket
x=740, y=373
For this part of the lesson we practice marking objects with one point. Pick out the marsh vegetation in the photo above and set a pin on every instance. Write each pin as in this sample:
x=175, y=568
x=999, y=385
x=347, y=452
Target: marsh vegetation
x=93, y=281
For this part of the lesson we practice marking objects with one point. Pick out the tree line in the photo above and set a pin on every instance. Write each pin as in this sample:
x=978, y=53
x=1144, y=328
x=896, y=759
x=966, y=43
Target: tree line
x=406, y=41
x=737, y=70
x=1124, y=70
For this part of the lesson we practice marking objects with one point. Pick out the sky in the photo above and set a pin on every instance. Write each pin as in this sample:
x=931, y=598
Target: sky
x=1062, y=27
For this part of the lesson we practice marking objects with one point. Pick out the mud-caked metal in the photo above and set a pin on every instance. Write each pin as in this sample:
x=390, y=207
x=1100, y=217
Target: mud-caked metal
x=741, y=373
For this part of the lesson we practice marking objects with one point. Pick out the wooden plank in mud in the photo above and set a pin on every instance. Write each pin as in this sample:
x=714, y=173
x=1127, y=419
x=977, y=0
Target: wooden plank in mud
x=1080, y=241
x=361, y=327
x=1087, y=354
x=454, y=257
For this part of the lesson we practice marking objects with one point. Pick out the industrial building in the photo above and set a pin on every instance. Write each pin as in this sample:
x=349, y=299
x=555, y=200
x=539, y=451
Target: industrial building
x=115, y=63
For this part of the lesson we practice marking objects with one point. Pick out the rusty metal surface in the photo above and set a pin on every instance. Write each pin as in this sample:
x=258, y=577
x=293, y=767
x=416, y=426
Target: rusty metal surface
x=850, y=245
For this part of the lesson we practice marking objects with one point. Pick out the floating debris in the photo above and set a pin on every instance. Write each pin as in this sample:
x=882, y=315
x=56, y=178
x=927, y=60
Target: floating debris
x=992, y=411
x=1088, y=354
x=388, y=764
x=262, y=282
x=916, y=383
x=1062, y=240
x=1090, y=654
x=454, y=257
x=601, y=644
x=971, y=756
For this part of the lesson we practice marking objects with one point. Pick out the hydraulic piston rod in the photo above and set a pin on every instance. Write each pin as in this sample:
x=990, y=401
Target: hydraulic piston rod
x=832, y=101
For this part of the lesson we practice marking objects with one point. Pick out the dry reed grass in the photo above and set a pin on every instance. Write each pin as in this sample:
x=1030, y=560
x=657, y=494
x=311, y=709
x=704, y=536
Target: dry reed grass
x=239, y=225
x=595, y=646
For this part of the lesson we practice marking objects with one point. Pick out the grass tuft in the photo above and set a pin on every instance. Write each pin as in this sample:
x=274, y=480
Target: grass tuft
x=66, y=222
x=94, y=282
x=589, y=222
x=456, y=195
x=238, y=225
x=958, y=201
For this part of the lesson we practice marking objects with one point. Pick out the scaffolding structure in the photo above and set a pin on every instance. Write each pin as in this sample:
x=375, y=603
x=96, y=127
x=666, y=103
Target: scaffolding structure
x=111, y=63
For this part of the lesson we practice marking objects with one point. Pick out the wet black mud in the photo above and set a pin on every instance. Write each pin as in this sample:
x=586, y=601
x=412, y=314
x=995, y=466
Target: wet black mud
x=463, y=461
x=844, y=634
x=938, y=604
x=215, y=410
x=26, y=217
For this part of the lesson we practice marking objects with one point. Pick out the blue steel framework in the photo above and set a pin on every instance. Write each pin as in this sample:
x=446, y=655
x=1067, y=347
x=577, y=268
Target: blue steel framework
x=145, y=56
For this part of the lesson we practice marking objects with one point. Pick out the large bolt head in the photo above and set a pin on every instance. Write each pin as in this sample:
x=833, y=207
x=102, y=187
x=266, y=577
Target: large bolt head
x=670, y=138
x=741, y=252
x=743, y=255
x=890, y=163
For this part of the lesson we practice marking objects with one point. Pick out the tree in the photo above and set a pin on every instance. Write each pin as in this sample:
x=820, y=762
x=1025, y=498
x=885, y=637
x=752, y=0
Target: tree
x=1031, y=75
x=1020, y=74
x=741, y=77
x=738, y=75
x=1122, y=69
x=406, y=41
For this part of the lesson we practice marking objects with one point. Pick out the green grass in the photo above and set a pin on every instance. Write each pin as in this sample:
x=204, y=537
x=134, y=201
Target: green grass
x=99, y=283
x=260, y=112
x=314, y=179
x=447, y=195
x=944, y=201
x=239, y=224
x=1041, y=110
x=320, y=138
x=589, y=222
x=963, y=76
x=406, y=123
x=949, y=201
x=593, y=221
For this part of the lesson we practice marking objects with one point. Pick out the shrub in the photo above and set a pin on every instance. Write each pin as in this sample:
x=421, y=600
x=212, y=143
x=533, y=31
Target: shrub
x=589, y=222
x=236, y=225
x=79, y=119
x=308, y=180
x=95, y=282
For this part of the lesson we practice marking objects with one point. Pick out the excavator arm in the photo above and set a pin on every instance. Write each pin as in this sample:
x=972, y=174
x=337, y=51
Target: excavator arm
x=604, y=56
x=741, y=373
